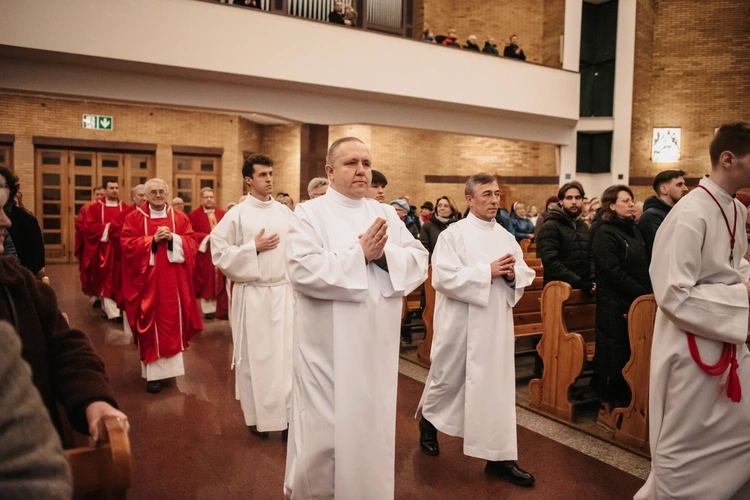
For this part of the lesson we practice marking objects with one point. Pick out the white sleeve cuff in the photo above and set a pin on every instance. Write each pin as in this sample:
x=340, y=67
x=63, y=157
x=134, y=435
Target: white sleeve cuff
x=177, y=254
x=204, y=244
x=105, y=236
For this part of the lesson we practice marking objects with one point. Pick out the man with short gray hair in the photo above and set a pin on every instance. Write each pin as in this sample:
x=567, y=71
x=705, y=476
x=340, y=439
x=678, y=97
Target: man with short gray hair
x=317, y=187
x=159, y=250
x=479, y=275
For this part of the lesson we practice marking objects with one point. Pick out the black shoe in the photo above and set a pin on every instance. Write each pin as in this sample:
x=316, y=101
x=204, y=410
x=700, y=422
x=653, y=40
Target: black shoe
x=285, y=435
x=428, y=438
x=97, y=304
x=154, y=386
x=510, y=471
x=255, y=432
x=116, y=320
x=209, y=316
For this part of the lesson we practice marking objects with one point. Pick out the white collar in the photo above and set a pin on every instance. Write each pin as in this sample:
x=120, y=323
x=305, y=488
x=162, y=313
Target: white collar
x=343, y=200
x=208, y=210
x=484, y=224
x=158, y=214
x=716, y=190
x=109, y=203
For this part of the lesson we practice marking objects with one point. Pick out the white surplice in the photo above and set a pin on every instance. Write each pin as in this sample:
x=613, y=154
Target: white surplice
x=471, y=388
x=700, y=439
x=262, y=309
x=346, y=326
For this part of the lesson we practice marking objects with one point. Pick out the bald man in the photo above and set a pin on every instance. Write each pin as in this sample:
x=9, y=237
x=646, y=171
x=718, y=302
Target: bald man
x=178, y=204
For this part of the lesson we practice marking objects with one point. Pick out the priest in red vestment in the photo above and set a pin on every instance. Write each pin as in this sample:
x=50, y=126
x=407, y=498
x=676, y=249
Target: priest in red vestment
x=159, y=250
x=79, y=242
x=115, y=230
x=99, y=255
x=209, y=282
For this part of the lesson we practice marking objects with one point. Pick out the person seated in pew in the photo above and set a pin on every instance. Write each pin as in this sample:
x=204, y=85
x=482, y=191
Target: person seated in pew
x=63, y=362
x=564, y=241
x=446, y=213
x=522, y=225
x=698, y=419
x=621, y=263
x=552, y=202
x=479, y=275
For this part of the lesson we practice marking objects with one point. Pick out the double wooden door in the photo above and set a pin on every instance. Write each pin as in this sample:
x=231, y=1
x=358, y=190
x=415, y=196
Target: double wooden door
x=65, y=181
x=193, y=173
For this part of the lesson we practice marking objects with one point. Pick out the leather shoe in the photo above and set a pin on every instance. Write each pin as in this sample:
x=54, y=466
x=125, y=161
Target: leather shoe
x=428, y=438
x=255, y=432
x=209, y=316
x=154, y=386
x=97, y=304
x=285, y=435
x=510, y=471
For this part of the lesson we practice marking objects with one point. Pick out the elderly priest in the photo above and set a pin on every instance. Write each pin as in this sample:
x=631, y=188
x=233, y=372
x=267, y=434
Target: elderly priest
x=159, y=249
x=350, y=260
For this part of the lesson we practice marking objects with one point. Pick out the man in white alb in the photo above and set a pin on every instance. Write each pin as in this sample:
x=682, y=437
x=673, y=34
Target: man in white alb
x=699, y=423
x=479, y=274
x=247, y=245
x=350, y=260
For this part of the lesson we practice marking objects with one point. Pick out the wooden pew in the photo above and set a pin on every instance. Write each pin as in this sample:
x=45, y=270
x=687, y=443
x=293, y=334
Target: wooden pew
x=568, y=318
x=525, y=244
x=631, y=423
x=102, y=471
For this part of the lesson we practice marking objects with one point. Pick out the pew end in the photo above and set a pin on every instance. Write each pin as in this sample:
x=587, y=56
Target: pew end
x=631, y=423
x=425, y=345
x=568, y=318
x=102, y=471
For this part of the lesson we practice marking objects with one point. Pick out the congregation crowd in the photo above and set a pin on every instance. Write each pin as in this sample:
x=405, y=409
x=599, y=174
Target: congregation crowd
x=294, y=284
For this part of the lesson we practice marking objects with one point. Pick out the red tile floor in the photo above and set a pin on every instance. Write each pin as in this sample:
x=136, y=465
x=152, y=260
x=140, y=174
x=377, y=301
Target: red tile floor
x=190, y=441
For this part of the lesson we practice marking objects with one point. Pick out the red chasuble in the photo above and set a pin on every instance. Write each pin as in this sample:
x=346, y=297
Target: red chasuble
x=159, y=298
x=99, y=256
x=209, y=282
x=78, y=251
x=115, y=231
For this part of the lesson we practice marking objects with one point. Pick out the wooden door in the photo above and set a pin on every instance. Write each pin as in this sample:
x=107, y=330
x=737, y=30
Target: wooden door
x=52, y=203
x=193, y=173
x=6, y=156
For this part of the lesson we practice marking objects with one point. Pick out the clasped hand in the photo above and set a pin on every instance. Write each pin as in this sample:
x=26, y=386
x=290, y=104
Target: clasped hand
x=163, y=233
x=504, y=267
x=373, y=240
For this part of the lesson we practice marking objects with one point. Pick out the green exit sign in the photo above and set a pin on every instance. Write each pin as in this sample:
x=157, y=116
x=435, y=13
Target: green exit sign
x=98, y=122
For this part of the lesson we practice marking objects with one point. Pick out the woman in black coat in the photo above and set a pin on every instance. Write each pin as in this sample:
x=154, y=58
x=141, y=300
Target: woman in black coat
x=622, y=276
x=446, y=213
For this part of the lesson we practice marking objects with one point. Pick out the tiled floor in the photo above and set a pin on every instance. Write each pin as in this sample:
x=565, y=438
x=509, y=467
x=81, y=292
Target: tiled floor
x=190, y=440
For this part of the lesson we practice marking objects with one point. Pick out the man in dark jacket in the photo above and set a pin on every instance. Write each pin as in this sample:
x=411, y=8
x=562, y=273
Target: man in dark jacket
x=490, y=47
x=564, y=242
x=336, y=16
x=670, y=187
x=24, y=231
x=513, y=51
x=471, y=43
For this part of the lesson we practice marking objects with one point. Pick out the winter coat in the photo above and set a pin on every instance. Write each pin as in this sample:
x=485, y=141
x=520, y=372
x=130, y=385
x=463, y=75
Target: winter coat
x=432, y=229
x=621, y=277
x=490, y=48
x=654, y=212
x=563, y=245
x=472, y=46
x=63, y=362
x=522, y=227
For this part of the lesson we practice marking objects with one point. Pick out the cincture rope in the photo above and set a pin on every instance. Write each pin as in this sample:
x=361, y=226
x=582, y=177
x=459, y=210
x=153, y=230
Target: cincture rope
x=728, y=357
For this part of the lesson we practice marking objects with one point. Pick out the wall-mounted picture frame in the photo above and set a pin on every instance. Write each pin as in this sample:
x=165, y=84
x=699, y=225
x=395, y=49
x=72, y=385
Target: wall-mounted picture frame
x=665, y=145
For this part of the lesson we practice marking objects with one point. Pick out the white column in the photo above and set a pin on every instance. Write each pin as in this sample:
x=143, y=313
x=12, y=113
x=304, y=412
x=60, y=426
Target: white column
x=568, y=159
x=623, y=98
x=572, y=40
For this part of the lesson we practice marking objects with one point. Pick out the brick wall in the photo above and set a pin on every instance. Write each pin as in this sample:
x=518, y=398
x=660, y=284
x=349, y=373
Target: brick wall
x=250, y=138
x=26, y=116
x=538, y=31
x=406, y=155
x=282, y=144
x=692, y=70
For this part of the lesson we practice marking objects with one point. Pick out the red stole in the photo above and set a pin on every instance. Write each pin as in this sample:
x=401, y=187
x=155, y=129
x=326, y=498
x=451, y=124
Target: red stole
x=159, y=298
